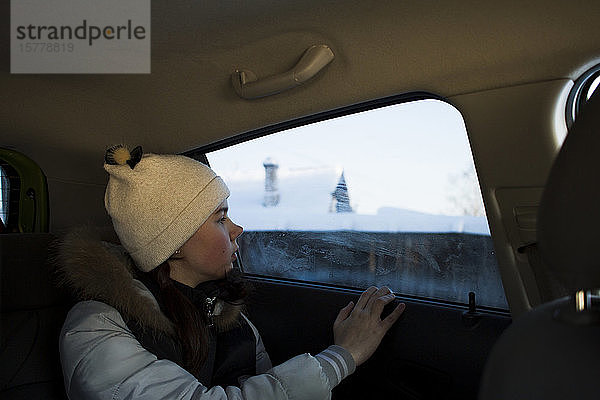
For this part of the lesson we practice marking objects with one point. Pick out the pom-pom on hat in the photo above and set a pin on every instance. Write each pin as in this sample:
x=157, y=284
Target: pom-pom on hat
x=157, y=202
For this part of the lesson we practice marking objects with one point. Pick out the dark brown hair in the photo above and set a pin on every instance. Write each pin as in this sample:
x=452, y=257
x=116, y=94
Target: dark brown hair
x=191, y=324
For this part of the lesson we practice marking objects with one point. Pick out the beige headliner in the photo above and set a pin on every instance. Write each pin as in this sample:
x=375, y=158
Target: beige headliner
x=382, y=48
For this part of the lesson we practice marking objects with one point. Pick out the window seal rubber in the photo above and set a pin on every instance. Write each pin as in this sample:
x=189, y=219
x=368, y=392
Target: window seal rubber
x=357, y=291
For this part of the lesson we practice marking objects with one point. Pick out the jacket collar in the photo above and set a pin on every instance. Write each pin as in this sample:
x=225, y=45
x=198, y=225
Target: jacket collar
x=103, y=271
x=208, y=298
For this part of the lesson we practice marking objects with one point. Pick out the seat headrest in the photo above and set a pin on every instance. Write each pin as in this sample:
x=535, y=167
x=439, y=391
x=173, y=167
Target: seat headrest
x=569, y=213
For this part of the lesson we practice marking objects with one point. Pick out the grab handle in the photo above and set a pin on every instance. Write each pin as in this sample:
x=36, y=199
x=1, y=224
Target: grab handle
x=314, y=59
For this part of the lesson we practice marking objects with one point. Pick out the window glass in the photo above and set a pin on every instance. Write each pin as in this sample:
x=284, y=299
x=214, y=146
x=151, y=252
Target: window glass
x=4, y=191
x=386, y=196
x=582, y=90
x=593, y=86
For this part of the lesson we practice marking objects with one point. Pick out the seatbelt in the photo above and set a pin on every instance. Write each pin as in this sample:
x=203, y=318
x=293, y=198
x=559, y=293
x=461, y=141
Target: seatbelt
x=549, y=285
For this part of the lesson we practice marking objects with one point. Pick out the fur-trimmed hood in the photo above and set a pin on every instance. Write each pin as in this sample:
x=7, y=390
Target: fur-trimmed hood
x=98, y=270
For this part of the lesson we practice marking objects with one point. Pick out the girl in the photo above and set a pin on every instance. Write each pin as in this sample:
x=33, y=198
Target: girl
x=162, y=318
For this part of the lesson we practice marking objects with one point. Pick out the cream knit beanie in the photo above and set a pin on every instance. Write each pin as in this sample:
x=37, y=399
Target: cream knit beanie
x=157, y=202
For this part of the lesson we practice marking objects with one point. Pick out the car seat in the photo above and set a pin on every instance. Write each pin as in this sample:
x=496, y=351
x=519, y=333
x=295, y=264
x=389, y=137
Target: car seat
x=553, y=351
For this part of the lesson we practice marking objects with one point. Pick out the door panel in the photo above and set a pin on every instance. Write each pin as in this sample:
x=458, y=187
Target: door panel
x=430, y=352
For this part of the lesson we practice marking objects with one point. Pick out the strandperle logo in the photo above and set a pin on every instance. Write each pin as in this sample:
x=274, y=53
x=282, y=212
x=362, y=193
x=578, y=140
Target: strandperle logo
x=80, y=36
x=85, y=31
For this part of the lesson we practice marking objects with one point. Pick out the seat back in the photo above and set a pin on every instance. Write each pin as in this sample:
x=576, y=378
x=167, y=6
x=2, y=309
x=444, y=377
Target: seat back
x=33, y=310
x=552, y=352
x=569, y=209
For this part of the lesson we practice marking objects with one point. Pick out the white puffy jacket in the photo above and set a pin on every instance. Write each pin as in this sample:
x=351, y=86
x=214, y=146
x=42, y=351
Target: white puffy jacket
x=102, y=359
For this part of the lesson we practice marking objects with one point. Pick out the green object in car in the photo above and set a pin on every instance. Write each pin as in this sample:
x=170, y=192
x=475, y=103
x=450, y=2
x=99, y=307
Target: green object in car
x=33, y=209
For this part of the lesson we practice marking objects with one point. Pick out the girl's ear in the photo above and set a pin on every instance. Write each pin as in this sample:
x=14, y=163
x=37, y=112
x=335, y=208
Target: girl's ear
x=177, y=255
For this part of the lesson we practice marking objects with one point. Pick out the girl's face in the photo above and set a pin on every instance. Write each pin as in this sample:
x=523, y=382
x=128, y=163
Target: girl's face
x=210, y=252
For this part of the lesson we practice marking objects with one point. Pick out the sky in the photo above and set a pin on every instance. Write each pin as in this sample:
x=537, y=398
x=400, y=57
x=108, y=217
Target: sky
x=408, y=156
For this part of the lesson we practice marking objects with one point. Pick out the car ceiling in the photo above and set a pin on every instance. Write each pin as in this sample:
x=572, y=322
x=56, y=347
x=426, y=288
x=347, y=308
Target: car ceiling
x=382, y=48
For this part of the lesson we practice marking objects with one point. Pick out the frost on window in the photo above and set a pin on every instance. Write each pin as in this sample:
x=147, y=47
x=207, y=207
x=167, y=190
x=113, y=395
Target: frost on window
x=388, y=196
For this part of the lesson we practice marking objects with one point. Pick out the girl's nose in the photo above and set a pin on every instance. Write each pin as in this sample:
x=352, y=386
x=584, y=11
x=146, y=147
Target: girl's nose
x=236, y=231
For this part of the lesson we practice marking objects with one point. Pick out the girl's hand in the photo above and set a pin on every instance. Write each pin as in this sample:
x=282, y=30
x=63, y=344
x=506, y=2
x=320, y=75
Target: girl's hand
x=359, y=329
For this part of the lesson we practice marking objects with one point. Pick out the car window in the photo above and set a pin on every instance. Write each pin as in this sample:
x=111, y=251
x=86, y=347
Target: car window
x=24, y=194
x=583, y=88
x=4, y=192
x=385, y=196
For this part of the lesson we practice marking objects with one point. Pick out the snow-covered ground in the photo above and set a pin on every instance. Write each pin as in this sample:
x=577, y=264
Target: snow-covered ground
x=305, y=203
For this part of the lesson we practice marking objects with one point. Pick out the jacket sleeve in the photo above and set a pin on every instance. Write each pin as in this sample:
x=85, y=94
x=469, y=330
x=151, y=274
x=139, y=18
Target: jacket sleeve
x=102, y=359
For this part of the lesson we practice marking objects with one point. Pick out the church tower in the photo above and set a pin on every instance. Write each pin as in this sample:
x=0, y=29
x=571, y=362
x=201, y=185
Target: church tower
x=340, y=197
x=271, y=198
